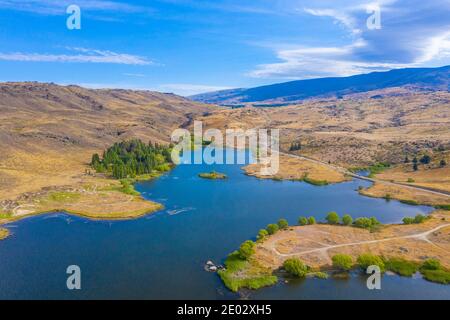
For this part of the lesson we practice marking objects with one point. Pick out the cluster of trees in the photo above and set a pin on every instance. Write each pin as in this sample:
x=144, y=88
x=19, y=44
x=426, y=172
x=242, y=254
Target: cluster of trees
x=417, y=219
x=425, y=159
x=133, y=157
x=295, y=146
x=246, y=250
x=347, y=220
x=303, y=221
x=272, y=229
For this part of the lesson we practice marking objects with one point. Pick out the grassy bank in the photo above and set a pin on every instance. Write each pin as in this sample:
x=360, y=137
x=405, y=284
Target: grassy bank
x=240, y=273
x=3, y=233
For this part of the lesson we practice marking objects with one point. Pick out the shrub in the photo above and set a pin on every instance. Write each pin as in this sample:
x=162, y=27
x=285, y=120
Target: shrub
x=367, y=223
x=311, y=220
x=262, y=234
x=342, y=262
x=438, y=276
x=347, y=220
x=426, y=159
x=431, y=264
x=411, y=180
x=408, y=220
x=295, y=267
x=332, y=218
x=302, y=221
x=272, y=228
x=246, y=249
x=419, y=218
x=283, y=224
x=367, y=259
x=401, y=266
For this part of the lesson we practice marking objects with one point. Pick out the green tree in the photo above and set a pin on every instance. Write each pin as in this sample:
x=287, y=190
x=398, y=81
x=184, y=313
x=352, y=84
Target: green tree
x=347, y=220
x=246, y=249
x=262, y=234
x=332, y=218
x=342, y=262
x=431, y=264
x=419, y=218
x=283, y=224
x=303, y=221
x=415, y=167
x=295, y=267
x=443, y=163
x=406, y=159
x=426, y=159
x=368, y=259
x=272, y=228
x=408, y=220
x=311, y=220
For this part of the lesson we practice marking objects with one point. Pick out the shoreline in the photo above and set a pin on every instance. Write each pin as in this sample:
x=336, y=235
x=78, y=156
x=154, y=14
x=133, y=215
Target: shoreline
x=316, y=244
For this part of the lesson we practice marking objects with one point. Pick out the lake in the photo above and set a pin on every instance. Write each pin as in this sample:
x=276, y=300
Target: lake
x=162, y=255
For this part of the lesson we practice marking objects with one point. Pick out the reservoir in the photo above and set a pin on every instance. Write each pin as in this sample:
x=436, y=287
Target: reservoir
x=162, y=255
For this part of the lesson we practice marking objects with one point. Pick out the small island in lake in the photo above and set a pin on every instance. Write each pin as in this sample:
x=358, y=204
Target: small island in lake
x=212, y=175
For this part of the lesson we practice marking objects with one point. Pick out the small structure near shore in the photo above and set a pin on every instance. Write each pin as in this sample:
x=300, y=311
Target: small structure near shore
x=211, y=267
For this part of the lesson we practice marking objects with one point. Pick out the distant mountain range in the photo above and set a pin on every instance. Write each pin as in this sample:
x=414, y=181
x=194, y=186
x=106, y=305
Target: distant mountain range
x=295, y=91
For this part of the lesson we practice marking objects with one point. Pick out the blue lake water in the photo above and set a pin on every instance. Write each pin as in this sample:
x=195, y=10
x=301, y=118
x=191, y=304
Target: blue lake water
x=162, y=255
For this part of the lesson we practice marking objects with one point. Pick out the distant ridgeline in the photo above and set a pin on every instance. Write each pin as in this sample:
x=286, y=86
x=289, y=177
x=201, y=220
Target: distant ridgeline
x=128, y=159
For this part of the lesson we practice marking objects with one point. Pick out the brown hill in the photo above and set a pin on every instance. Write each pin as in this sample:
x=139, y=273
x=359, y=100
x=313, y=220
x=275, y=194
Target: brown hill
x=48, y=132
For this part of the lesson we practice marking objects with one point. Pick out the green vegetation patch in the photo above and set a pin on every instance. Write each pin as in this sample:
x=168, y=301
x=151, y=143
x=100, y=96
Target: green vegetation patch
x=443, y=206
x=240, y=273
x=212, y=175
x=367, y=259
x=128, y=159
x=401, y=266
x=315, y=182
x=438, y=276
x=295, y=267
x=377, y=168
x=342, y=262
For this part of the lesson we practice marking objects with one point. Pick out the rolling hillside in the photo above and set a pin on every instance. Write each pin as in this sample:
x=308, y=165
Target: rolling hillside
x=49, y=132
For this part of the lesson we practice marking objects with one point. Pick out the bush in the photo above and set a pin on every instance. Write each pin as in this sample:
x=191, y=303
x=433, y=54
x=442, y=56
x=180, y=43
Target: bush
x=302, y=221
x=401, y=266
x=367, y=223
x=332, y=218
x=419, y=218
x=272, y=228
x=311, y=220
x=438, y=276
x=342, y=262
x=246, y=249
x=295, y=267
x=262, y=234
x=408, y=220
x=347, y=220
x=426, y=159
x=367, y=259
x=283, y=224
x=431, y=264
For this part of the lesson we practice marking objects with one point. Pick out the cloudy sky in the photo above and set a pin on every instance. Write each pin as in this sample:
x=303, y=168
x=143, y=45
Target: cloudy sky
x=193, y=46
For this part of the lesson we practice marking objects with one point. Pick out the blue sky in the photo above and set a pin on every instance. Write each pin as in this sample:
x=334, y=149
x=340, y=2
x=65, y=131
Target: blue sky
x=193, y=46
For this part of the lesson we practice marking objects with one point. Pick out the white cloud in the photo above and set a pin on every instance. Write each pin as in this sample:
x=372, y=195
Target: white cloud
x=414, y=33
x=85, y=56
